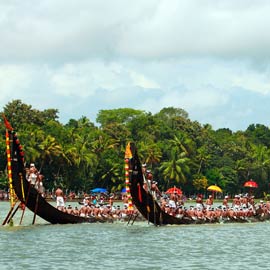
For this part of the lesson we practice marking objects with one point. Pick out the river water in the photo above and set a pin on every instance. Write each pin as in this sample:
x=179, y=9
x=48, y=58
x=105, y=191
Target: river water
x=138, y=246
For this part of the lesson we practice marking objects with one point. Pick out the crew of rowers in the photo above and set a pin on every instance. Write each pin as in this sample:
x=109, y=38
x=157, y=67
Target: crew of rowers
x=91, y=208
x=243, y=207
x=106, y=211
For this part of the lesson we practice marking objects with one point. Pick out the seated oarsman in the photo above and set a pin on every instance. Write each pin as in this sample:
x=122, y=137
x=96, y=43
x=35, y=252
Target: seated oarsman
x=245, y=212
x=167, y=208
x=118, y=211
x=232, y=214
x=252, y=210
x=163, y=202
x=76, y=211
x=226, y=201
x=251, y=201
x=225, y=212
x=70, y=210
x=265, y=210
x=124, y=212
x=200, y=214
x=209, y=214
x=240, y=213
x=114, y=212
x=106, y=211
x=84, y=211
x=191, y=213
x=180, y=199
x=236, y=204
x=267, y=204
x=179, y=212
x=96, y=211
x=125, y=199
x=244, y=200
x=218, y=213
x=172, y=211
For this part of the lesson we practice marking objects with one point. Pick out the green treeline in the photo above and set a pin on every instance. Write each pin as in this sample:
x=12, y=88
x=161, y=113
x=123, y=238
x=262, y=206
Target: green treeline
x=81, y=155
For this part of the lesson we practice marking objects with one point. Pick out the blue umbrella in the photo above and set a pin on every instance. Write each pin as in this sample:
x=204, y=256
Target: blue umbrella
x=99, y=190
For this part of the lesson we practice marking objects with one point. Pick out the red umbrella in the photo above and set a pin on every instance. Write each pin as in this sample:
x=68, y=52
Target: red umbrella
x=174, y=190
x=251, y=184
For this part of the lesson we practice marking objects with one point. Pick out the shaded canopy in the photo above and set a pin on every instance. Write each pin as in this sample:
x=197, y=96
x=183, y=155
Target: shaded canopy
x=174, y=190
x=251, y=184
x=99, y=190
x=214, y=188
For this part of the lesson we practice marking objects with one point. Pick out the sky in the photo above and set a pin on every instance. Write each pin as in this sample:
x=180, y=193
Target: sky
x=210, y=58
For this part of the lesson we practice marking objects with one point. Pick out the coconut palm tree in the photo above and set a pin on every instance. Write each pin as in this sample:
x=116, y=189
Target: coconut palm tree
x=176, y=168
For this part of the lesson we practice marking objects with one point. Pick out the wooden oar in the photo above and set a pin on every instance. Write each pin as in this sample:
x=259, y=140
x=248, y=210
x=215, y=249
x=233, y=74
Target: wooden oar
x=154, y=207
x=134, y=218
x=13, y=214
x=26, y=200
x=36, y=207
x=8, y=215
x=130, y=216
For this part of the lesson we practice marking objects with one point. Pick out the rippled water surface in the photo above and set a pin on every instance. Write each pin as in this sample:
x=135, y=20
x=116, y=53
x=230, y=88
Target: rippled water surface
x=140, y=246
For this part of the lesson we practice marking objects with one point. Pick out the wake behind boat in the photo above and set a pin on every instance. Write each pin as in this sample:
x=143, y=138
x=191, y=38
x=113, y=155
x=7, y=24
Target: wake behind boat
x=152, y=210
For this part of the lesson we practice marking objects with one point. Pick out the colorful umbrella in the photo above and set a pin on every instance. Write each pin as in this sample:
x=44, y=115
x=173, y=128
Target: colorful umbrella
x=174, y=190
x=251, y=184
x=214, y=188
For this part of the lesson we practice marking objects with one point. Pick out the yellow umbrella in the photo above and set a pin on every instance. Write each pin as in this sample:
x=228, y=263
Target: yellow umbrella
x=214, y=188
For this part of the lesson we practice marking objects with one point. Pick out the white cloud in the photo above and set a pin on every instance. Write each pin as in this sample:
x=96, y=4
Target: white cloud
x=12, y=79
x=61, y=31
x=82, y=56
x=253, y=81
x=142, y=81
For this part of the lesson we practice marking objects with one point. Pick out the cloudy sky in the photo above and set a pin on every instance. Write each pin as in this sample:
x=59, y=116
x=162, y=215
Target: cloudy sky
x=210, y=58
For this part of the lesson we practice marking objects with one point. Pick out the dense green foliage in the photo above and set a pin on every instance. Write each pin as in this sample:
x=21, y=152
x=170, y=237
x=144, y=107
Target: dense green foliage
x=81, y=155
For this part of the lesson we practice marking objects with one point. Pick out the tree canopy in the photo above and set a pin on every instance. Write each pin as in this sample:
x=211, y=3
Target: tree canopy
x=81, y=155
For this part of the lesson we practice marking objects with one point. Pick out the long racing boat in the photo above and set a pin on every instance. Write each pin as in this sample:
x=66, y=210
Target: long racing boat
x=29, y=195
x=151, y=210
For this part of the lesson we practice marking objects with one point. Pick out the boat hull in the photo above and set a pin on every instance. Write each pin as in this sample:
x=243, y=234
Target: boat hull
x=32, y=199
x=151, y=210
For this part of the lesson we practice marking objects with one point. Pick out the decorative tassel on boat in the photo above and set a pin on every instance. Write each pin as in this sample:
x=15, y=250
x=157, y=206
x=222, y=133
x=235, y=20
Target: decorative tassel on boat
x=9, y=170
x=128, y=156
x=7, y=124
